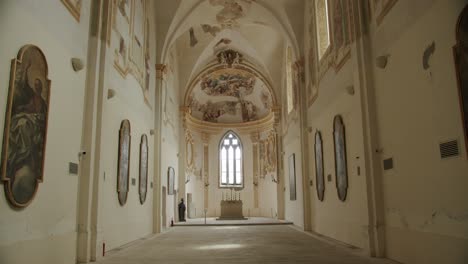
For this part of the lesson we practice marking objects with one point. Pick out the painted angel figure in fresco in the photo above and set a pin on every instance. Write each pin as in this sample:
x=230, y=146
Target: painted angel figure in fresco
x=26, y=137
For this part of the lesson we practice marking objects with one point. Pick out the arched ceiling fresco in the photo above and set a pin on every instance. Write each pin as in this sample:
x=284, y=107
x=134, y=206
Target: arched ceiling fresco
x=230, y=95
x=259, y=29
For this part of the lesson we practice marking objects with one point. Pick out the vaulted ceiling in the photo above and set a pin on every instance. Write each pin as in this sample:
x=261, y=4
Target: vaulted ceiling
x=197, y=30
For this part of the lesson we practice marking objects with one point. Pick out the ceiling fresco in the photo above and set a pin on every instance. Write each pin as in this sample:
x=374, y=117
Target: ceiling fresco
x=230, y=96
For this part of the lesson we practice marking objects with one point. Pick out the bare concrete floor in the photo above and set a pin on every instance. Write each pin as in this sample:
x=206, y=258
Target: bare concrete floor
x=236, y=244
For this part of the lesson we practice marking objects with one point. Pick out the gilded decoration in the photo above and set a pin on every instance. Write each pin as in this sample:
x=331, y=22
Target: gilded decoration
x=189, y=153
x=268, y=154
x=229, y=57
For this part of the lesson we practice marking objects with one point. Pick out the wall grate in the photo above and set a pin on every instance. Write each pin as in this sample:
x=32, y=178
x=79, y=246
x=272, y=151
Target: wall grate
x=449, y=149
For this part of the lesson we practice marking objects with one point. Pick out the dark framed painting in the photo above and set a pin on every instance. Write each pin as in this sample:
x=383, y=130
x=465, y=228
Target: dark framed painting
x=341, y=171
x=292, y=177
x=25, y=132
x=170, y=181
x=123, y=170
x=143, y=179
x=460, y=52
x=319, y=173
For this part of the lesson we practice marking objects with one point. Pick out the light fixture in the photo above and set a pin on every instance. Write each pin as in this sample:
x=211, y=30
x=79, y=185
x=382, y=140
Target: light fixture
x=110, y=93
x=382, y=61
x=77, y=64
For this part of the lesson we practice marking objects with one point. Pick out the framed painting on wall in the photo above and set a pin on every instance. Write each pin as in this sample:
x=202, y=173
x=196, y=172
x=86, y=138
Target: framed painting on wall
x=341, y=170
x=460, y=52
x=292, y=178
x=143, y=184
x=25, y=133
x=123, y=169
x=170, y=181
x=319, y=173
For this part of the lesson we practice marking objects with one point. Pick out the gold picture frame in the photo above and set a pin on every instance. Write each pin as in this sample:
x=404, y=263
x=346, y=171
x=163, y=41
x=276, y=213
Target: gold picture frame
x=25, y=133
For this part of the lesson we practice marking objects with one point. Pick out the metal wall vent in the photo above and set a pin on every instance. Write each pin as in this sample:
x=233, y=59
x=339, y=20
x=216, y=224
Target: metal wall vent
x=449, y=149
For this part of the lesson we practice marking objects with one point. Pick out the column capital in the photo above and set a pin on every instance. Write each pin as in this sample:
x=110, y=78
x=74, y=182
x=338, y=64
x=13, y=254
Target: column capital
x=161, y=71
x=205, y=138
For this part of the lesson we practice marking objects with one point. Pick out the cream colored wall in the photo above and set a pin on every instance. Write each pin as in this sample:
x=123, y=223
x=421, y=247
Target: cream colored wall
x=294, y=209
x=345, y=221
x=119, y=225
x=266, y=190
x=171, y=136
x=425, y=199
x=49, y=222
x=216, y=193
x=196, y=184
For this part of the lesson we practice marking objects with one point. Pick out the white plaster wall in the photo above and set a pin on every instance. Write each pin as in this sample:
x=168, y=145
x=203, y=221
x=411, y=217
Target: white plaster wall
x=266, y=188
x=425, y=197
x=267, y=197
x=294, y=209
x=216, y=193
x=344, y=221
x=171, y=136
x=196, y=184
x=46, y=229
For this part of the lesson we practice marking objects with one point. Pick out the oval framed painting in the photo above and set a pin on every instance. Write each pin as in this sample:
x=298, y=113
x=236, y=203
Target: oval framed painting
x=341, y=171
x=319, y=173
x=123, y=170
x=143, y=179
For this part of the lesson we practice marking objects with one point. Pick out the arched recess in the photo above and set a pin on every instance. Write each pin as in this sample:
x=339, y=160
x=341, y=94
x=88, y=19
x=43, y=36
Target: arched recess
x=461, y=61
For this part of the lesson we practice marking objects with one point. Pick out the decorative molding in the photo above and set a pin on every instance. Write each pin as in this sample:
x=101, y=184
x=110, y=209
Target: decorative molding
x=189, y=153
x=161, y=71
x=381, y=11
x=229, y=58
x=263, y=124
x=131, y=54
x=74, y=7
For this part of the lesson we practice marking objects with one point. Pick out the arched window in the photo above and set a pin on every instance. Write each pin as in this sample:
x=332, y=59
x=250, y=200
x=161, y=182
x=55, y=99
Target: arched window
x=323, y=27
x=230, y=161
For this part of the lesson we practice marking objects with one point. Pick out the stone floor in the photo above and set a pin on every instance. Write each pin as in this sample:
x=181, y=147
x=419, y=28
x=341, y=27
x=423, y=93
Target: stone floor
x=236, y=244
x=249, y=221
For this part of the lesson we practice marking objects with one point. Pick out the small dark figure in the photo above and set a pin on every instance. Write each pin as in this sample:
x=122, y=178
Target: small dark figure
x=182, y=210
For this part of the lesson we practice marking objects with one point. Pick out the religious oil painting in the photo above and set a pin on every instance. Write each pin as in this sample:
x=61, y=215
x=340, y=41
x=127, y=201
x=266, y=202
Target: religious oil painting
x=292, y=177
x=143, y=186
x=74, y=6
x=340, y=158
x=170, y=181
x=319, y=173
x=461, y=63
x=25, y=133
x=123, y=162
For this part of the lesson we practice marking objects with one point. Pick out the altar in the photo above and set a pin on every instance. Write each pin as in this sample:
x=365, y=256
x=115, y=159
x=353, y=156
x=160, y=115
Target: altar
x=231, y=209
